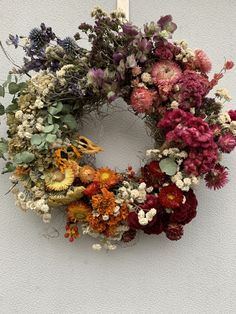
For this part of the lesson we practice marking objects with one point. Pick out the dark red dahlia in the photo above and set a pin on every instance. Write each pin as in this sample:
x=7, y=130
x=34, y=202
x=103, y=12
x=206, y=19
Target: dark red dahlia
x=171, y=196
x=152, y=175
x=187, y=211
x=174, y=231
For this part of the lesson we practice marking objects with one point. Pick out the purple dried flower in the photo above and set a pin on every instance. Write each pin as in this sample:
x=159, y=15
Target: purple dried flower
x=165, y=22
x=130, y=29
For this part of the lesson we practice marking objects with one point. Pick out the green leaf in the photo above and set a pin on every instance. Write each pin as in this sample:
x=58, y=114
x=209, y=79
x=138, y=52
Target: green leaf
x=22, y=85
x=11, y=108
x=70, y=121
x=48, y=128
x=13, y=88
x=169, y=166
x=24, y=157
x=56, y=108
x=51, y=138
x=7, y=81
x=3, y=146
x=36, y=139
x=56, y=128
x=2, y=110
x=9, y=167
x=2, y=91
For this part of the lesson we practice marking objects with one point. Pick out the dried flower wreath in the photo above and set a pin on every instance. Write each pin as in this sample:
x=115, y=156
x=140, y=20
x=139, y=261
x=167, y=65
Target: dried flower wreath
x=165, y=82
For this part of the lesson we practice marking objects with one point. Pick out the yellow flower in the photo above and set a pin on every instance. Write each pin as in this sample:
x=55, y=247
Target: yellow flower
x=78, y=211
x=55, y=180
x=105, y=177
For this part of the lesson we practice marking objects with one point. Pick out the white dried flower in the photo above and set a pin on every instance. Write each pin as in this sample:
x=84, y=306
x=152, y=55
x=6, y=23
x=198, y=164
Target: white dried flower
x=96, y=247
x=19, y=115
x=46, y=217
x=146, y=78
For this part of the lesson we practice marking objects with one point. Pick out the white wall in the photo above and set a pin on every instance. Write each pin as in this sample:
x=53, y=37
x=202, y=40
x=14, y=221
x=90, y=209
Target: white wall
x=42, y=275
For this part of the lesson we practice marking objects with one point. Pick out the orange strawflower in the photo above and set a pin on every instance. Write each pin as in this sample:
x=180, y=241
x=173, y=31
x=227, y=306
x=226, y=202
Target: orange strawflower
x=77, y=211
x=105, y=177
x=104, y=203
x=105, y=221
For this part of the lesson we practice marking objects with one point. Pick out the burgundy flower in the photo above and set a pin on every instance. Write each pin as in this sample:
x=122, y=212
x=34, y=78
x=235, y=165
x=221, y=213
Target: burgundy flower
x=151, y=202
x=192, y=87
x=187, y=211
x=129, y=235
x=174, y=231
x=201, y=161
x=217, y=177
x=174, y=117
x=227, y=142
x=156, y=226
x=194, y=132
x=232, y=114
x=165, y=50
x=152, y=175
x=171, y=196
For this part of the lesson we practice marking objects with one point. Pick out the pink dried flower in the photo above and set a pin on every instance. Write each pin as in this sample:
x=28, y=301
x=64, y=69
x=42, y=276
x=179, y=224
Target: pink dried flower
x=192, y=87
x=227, y=142
x=165, y=50
x=232, y=114
x=142, y=100
x=136, y=71
x=217, y=177
x=228, y=65
x=165, y=74
x=201, y=61
x=194, y=132
x=174, y=117
x=201, y=161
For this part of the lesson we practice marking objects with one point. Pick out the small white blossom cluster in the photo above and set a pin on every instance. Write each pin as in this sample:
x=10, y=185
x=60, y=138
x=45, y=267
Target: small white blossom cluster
x=131, y=195
x=186, y=53
x=174, y=104
x=108, y=246
x=43, y=82
x=223, y=93
x=39, y=206
x=146, y=78
x=25, y=129
x=145, y=217
x=173, y=152
x=62, y=72
x=226, y=122
x=186, y=183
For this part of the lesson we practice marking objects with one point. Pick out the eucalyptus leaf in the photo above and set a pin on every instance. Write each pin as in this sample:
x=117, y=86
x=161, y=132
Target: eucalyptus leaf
x=55, y=109
x=2, y=110
x=70, y=121
x=11, y=108
x=51, y=138
x=2, y=91
x=48, y=128
x=13, y=88
x=3, y=147
x=24, y=157
x=36, y=139
x=22, y=85
x=9, y=167
x=56, y=128
x=169, y=166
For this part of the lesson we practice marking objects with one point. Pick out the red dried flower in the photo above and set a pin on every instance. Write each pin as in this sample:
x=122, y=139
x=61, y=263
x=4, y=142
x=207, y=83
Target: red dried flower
x=171, y=196
x=227, y=142
x=152, y=174
x=174, y=231
x=91, y=189
x=201, y=61
x=216, y=178
x=72, y=232
x=187, y=211
x=232, y=114
x=228, y=65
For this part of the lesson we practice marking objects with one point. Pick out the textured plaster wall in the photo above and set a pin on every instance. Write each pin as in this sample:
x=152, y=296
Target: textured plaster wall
x=43, y=275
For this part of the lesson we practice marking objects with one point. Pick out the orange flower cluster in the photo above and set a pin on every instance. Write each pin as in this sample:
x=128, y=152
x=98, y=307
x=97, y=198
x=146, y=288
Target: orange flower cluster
x=104, y=204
